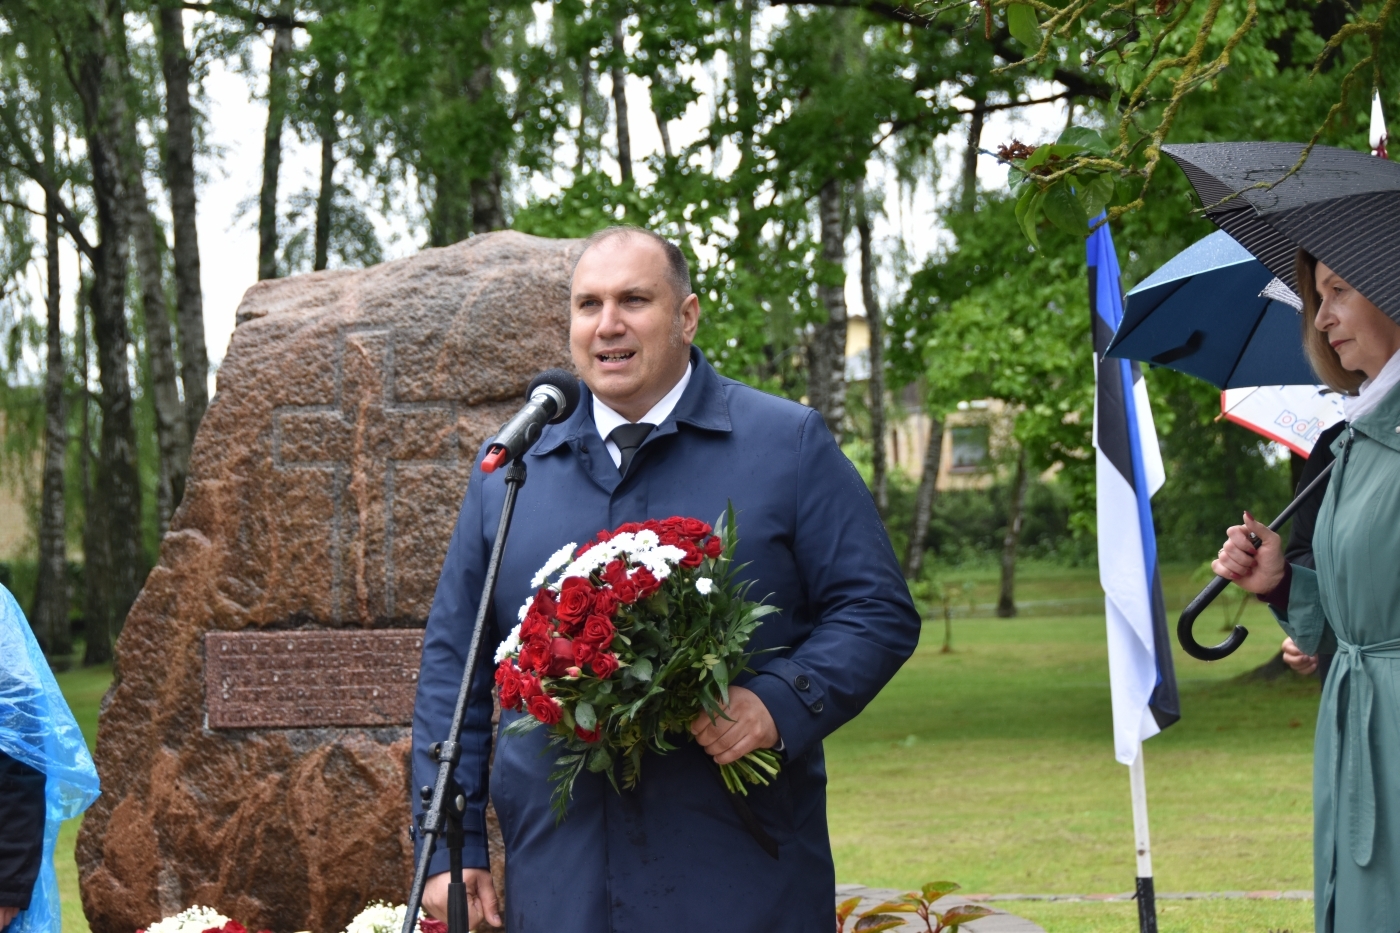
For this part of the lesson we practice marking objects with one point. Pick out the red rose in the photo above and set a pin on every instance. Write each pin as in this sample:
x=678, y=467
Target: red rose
x=535, y=627
x=561, y=656
x=534, y=656
x=615, y=570
x=544, y=709
x=603, y=536
x=544, y=603
x=651, y=524
x=626, y=591
x=575, y=599
x=672, y=524
x=584, y=653
x=714, y=547
x=529, y=686
x=671, y=538
x=597, y=631
x=587, y=735
x=508, y=680
x=644, y=581
x=629, y=528
x=604, y=665
x=582, y=550
x=604, y=603
x=694, y=528
x=694, y=557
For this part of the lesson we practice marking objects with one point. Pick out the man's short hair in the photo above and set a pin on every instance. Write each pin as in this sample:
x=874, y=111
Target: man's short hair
x=677, y=269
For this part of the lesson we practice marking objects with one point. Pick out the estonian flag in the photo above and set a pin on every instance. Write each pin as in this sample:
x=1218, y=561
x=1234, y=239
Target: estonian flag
x=1141, y=676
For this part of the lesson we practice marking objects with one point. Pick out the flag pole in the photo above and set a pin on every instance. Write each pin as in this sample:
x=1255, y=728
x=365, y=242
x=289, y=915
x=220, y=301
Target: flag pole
x=1145, y=895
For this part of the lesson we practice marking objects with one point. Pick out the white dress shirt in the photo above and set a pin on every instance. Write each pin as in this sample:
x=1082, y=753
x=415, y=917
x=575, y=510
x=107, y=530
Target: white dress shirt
x=606, y=419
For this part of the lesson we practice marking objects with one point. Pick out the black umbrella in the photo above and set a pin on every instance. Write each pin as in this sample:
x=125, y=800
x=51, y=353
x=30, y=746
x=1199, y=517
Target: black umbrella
x=1342, y=206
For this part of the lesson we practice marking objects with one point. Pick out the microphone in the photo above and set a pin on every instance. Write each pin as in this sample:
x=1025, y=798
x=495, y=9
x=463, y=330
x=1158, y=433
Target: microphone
x=553, y=396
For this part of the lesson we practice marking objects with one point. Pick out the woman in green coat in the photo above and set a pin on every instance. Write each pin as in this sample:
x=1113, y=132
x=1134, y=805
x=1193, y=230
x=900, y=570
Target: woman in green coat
x=1350, y=605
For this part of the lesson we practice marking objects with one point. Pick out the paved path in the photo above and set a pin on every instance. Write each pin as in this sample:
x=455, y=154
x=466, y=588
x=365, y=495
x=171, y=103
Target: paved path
x=999, y=922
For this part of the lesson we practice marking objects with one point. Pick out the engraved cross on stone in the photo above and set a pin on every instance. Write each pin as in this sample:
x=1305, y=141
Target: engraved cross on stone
x=366, y=442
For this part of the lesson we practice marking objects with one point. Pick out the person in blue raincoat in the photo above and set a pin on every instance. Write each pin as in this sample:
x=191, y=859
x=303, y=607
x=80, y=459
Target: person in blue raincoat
x=658, y=433
x=46, y=776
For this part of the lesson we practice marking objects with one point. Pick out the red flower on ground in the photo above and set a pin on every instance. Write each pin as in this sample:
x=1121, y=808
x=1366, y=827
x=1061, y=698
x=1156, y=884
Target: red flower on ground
x=544, y=709
x=604, y=665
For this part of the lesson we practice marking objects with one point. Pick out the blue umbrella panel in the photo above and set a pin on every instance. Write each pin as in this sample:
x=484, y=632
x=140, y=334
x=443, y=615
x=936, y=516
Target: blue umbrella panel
x=1204, y=313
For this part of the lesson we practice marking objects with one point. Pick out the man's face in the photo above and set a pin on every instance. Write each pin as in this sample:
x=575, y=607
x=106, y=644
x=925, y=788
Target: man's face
x=629, y=342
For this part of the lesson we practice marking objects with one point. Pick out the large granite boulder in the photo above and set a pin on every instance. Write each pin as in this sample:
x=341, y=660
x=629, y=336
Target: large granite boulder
x=323, y=488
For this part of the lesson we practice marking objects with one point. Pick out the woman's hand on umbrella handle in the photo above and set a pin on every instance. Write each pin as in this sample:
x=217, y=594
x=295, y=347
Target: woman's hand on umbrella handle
x=1252, y=556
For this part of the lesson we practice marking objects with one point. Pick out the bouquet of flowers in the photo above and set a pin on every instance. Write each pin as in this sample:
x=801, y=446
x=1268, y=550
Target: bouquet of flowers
x=625, y=641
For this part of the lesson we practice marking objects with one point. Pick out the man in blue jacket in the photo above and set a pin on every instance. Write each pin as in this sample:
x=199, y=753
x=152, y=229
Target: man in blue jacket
x=658, y=433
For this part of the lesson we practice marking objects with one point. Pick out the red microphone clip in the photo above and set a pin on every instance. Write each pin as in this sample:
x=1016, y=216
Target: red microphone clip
x=495, y=458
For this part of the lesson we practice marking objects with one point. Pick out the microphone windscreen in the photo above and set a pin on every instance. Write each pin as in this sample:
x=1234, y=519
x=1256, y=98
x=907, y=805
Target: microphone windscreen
x=567, y=384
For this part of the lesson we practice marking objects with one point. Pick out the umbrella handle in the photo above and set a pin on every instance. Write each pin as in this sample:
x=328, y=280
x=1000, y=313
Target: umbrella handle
x=1216, y=586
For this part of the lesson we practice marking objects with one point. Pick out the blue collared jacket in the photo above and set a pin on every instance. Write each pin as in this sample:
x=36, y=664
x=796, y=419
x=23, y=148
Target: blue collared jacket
x=672, y=854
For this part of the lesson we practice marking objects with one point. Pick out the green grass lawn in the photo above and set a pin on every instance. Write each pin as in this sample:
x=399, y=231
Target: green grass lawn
x=993, y=766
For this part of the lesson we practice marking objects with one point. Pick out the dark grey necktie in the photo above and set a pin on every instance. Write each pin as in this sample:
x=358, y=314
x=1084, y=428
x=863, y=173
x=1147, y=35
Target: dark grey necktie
x=628, y=437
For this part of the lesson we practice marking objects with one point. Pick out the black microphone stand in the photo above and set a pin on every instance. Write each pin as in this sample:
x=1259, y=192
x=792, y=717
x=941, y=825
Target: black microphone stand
x=444, y=802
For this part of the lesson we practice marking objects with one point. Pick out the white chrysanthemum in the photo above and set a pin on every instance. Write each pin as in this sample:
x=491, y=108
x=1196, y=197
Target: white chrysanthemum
x=380, y=917
x=704, y=585
x=524, y=610
x=559, y=558
x=510, y=646
x=192, y=920
x=645, y=540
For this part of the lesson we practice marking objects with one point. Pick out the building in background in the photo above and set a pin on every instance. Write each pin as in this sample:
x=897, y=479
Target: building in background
x=974, y=435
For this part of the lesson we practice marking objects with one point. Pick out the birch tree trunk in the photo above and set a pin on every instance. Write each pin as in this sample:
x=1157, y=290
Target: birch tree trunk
x=1006, y=603
x=827, y=367
x=118, y=492
x=875, y=320
x=619, y=96
x=923, y=500
x=50, y=610
x=488, y=208
x=277, y=83
x=180, y=180
x=96, y=556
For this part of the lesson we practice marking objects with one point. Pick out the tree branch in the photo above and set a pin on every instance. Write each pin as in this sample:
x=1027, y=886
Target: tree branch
x=252, y=17
x=897, y=12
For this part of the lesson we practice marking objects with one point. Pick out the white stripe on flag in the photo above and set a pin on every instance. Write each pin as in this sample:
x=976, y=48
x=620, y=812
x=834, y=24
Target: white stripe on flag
x=1132, y=659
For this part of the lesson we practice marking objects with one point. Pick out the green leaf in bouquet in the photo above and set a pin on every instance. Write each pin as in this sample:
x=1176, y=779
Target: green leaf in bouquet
x=584, y=716
x=524, y=724
x=720, y=672
x=641, y=669
x=599, y=760
x=936, y=889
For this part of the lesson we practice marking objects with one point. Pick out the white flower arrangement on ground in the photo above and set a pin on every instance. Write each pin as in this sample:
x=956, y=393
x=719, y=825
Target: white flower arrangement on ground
x=191, y=920
x=380, y=917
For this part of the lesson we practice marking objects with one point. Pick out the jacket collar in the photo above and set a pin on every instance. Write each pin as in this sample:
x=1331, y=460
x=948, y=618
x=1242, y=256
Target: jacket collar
x=1382, y=423
x=702, y=406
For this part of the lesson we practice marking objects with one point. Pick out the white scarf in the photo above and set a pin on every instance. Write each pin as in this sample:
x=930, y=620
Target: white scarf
x=1372, y=391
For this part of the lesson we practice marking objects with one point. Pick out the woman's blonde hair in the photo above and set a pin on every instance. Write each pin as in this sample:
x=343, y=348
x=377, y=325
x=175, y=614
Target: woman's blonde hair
x=1325, y=361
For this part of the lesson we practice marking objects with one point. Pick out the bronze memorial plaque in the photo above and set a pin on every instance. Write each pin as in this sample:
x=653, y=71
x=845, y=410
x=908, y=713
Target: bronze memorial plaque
x=291, y=679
